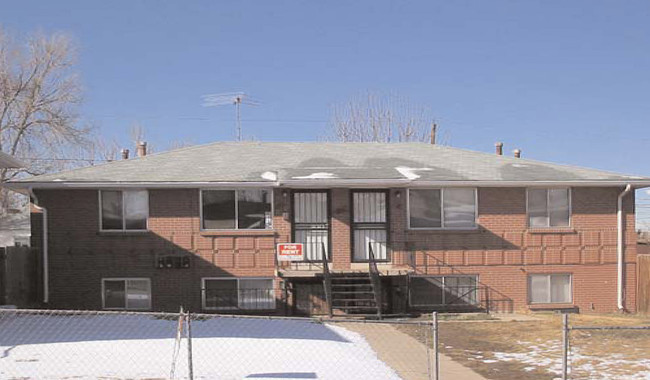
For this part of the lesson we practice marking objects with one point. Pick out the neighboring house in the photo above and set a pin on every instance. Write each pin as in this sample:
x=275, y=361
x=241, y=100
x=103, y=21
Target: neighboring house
x=15, y=229
x=449, y=229
x=9, y=162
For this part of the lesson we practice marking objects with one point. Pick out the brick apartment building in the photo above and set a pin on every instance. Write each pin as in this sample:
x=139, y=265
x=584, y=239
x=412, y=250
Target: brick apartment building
x=402, y=227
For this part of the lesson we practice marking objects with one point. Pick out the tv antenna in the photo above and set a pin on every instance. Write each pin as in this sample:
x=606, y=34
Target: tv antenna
x=236, y=98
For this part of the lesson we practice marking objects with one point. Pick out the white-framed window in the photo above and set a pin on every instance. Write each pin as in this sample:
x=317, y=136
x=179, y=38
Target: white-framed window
x=123, y=210
x=452, y=208
x=238, y=293
x=126, y=293
x=549, y=207
x=236, y=209
x=550, y=288
x=443, y=290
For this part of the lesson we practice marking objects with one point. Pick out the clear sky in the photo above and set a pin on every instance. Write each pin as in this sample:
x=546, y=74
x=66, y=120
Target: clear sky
x=565, y=81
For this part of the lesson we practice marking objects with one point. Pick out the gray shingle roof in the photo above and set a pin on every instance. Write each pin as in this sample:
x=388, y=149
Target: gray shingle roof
x=323, y=162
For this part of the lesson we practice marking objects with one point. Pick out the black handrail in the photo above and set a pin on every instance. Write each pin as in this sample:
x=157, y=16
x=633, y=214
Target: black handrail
x=327, y=280
x=374, y=278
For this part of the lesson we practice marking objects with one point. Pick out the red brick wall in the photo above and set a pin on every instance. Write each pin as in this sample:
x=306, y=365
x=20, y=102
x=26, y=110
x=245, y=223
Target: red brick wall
x=80, y=255
x=502, y=251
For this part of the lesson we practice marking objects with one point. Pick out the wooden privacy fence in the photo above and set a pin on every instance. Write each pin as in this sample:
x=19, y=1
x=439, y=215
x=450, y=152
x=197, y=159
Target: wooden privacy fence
x=643, y=291
x=19, y=276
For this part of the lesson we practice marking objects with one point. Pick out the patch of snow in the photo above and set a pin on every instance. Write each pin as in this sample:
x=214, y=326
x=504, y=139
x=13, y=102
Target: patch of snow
x=141, y=346
x=546, y=356
x=319, y=175
x=410, y=172
x=519, y=166
x=271, y=176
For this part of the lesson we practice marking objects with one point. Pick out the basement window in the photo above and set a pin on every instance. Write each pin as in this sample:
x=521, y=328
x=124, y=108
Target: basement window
x=549, y=207
x=443, y=290
x=236, y=209
x=126, y=293
x=452, y=208
x=549, y=288
x=238, y=293
x=126, y=210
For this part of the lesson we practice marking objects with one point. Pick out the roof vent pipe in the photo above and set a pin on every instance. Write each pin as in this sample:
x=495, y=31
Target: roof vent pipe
x=125, y=154
x=499, y=147
x=142, y=148
x=517, y=153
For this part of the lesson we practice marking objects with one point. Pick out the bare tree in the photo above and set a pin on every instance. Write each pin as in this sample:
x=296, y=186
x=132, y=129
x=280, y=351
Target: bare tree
x=39, y=97
x=374, y=117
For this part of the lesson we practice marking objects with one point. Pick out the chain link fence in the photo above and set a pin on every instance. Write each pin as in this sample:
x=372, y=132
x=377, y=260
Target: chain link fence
x=54, y=344
x=621, y=351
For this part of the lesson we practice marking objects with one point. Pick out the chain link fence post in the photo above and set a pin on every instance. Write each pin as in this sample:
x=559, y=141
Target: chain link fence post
x=190, y=365
x=565, y=346
x=436, y=347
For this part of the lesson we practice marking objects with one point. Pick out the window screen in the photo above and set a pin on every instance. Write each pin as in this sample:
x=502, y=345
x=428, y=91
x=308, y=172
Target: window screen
x=550, y=288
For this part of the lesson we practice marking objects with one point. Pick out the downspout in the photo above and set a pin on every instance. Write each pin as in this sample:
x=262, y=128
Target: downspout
x=620, y=248
x=46, y=269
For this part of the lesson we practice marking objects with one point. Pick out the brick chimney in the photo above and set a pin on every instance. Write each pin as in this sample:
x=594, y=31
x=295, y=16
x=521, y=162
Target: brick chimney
x=517, y=153
x=499, y=147
x=125, y=154
x=142, y=148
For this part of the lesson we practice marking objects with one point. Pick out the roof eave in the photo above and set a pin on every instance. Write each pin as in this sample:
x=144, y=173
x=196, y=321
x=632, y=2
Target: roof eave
x=320, y=183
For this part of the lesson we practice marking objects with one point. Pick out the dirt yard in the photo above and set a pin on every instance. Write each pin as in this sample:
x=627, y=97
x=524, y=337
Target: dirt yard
x=532, y=349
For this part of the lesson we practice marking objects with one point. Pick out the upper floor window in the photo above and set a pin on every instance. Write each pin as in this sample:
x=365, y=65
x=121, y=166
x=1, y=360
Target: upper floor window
x=126, y=210
x=442, y=208
x=549, y=207
x=236, y=209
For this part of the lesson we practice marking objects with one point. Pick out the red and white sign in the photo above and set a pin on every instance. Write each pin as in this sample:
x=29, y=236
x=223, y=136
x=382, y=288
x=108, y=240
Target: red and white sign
x=290, y=252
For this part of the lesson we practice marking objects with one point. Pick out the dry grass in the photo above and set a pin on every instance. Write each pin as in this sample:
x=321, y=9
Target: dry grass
x=532, y=349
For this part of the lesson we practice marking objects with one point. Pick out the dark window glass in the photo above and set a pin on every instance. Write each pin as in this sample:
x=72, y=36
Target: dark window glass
x=219, y=209
x=254, y=209
x=111, y=210
x=558, y=207
x=426, y=291
x=114, y=294
x=424, y=208
x=460, y=208
x=221, y=294
x=136, y=208
x=138, y=294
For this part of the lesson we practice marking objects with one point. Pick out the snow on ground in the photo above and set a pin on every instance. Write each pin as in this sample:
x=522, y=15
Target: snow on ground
x=141, y=346
x=547, y=356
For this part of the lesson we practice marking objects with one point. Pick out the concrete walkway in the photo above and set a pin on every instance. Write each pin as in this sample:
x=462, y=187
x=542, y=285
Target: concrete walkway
x=406, y=355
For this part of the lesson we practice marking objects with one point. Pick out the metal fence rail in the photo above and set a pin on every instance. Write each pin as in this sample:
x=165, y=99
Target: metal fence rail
x=566, y=339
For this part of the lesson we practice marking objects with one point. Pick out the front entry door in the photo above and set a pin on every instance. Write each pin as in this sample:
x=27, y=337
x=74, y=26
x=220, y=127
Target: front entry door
x=311, y=225
x=369, y=225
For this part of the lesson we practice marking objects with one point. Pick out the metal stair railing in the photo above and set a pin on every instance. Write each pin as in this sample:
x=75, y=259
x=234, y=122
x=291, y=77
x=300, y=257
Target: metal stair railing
x=327, y=280
x=374, y=279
